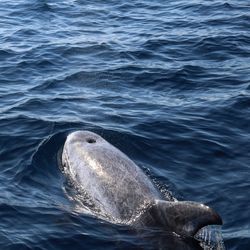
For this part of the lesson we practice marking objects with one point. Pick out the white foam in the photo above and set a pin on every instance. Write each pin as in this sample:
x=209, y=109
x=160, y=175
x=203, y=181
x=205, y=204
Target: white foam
x=210, y=238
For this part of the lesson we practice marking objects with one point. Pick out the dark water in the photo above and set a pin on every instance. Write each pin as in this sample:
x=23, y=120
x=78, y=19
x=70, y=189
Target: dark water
x=167, y=82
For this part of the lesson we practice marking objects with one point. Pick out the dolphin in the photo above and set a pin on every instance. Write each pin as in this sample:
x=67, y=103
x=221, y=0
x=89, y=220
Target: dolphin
x=120, y=192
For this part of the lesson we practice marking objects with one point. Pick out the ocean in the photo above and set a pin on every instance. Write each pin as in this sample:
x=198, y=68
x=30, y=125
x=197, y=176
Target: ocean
x=166, y=82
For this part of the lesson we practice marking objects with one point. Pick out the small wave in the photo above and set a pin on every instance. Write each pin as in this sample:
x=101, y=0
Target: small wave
x=229, y=44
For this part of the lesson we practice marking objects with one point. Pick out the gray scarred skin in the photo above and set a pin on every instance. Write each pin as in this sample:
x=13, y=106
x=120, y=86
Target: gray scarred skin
x=115, y=184
x=122, y=192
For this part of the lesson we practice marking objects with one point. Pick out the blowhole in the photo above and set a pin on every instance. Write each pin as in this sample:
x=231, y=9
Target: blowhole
x=90, y=140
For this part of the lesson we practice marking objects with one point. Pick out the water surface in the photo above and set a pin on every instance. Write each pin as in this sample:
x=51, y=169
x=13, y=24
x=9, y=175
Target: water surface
x=166, y=83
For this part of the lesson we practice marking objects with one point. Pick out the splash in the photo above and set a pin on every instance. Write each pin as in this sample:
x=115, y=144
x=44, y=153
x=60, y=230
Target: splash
x=210, y=238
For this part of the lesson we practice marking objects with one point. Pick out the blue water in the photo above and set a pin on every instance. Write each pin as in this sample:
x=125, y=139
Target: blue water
x=167, y=82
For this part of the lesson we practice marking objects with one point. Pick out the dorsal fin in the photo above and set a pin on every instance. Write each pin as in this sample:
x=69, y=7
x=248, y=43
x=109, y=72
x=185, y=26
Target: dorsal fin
x=182, y=217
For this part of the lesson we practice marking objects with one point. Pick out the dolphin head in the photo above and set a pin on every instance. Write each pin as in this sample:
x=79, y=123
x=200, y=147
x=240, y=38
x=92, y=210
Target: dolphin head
x=84, y=136
x=184, y=218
